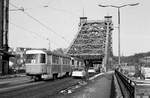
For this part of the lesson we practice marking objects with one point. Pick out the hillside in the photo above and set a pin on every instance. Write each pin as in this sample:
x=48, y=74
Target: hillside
x=133, y=58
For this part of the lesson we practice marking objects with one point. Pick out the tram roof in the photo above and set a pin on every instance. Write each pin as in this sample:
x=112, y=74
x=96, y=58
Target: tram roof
x=57, y=54
x=46, y=52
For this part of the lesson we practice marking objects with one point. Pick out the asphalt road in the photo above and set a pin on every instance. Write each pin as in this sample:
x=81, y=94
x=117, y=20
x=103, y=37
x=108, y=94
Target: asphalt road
x=99, y=87
x=38, y=89
x=4, y=83
x=23, y=87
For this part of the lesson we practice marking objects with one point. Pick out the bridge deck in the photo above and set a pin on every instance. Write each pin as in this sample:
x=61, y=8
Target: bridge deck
x=97, y=88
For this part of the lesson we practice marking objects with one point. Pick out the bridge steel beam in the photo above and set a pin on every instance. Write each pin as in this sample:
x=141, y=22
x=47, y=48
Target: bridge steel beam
x=93, y=41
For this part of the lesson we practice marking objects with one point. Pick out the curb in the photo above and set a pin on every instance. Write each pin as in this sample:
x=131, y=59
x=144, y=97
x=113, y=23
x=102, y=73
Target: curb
x=12, y=76
x=95, y=76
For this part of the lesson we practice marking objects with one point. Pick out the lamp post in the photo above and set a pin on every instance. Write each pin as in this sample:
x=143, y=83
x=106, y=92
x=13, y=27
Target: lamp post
x=118, y=7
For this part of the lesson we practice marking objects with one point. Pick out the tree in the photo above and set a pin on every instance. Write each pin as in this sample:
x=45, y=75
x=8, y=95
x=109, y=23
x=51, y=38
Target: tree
x=59, y=51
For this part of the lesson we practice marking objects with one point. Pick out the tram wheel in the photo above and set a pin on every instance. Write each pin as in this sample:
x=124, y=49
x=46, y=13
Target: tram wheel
x=37, y=78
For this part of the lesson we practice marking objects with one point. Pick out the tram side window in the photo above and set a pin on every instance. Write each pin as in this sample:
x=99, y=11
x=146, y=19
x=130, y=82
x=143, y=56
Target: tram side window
x=42, y=58
x=55, y=59
x=49, y=59
x=64, y=60
x=77, y=62
x=72, y=62
x=68, y=61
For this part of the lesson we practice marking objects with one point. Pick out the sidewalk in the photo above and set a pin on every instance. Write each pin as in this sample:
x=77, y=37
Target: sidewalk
x=11, y=76
x=99, y=87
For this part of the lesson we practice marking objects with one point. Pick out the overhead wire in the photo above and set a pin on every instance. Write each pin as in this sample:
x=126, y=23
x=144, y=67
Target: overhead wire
x=45, y=6
x=20, y=27
x=48, y=28
x=37, y=35
x=64, y=11
x=23, y=29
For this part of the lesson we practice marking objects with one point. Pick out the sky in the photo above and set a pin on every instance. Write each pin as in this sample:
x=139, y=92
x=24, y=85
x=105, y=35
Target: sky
x=56, y=21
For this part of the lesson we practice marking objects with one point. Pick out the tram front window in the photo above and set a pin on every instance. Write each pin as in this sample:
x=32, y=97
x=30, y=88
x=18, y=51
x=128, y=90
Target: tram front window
x=35, y=58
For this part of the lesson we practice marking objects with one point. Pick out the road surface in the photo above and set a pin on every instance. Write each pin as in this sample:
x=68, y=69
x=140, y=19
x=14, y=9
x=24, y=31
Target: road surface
x=100, y=87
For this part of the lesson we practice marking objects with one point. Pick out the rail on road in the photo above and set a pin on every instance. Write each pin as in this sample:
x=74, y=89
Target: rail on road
x=127, y=85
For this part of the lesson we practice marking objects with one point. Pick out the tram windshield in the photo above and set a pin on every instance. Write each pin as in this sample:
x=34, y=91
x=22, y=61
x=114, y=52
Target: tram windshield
x=35, y=58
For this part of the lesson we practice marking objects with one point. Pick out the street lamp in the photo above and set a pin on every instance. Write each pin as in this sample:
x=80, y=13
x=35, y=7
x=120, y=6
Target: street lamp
x=118, y=7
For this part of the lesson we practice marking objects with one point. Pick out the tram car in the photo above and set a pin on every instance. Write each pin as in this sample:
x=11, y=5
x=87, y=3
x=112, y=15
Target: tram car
x=77, y=63
x=78, y=68
x=44, y=64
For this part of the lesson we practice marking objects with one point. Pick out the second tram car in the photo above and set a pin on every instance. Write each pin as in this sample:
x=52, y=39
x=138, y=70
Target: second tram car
x=43, y=64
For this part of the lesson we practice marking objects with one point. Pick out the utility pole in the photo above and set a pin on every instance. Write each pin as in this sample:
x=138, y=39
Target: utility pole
x=1, y=33
x=4, y=56
x=5, y=37
x=6, y=20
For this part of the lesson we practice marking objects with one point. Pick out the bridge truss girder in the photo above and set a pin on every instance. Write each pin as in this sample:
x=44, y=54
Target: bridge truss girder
x=90, y=42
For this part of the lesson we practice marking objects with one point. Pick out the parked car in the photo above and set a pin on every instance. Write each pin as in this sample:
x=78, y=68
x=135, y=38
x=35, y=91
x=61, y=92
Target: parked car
x=91, y=70
x=131, y=74
x=79, y=72
x=145, y=71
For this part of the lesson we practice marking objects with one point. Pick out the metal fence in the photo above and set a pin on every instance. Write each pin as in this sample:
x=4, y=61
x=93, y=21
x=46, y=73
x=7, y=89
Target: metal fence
x=126, y=84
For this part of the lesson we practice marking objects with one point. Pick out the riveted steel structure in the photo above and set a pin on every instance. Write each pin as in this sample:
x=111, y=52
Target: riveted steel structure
x=93, y=42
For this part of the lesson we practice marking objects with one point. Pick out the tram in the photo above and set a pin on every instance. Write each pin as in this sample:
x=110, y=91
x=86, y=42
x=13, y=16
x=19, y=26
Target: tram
x=44, y=64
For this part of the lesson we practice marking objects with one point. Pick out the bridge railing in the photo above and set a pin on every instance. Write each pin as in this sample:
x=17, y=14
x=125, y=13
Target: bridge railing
x=126, y=84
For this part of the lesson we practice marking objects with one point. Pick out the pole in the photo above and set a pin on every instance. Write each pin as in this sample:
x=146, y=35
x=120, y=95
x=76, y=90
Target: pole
x=118, y=7
x=49, y=44
x=106, y=43
x=6, y=25
x=1, y=23
x=1, y=33
x=5, y=57
x=106, y=47
x=118, y=35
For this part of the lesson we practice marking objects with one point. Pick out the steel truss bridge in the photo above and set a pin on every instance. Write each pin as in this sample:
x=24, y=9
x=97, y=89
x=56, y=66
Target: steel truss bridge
x=93, y=41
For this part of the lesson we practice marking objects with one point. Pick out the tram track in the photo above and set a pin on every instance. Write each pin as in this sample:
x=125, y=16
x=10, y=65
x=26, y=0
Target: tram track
x=38, y=89
x=12, y=84
x=30, y=89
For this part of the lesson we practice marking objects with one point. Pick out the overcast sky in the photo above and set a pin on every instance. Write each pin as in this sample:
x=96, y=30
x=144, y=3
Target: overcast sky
x=60, y=18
